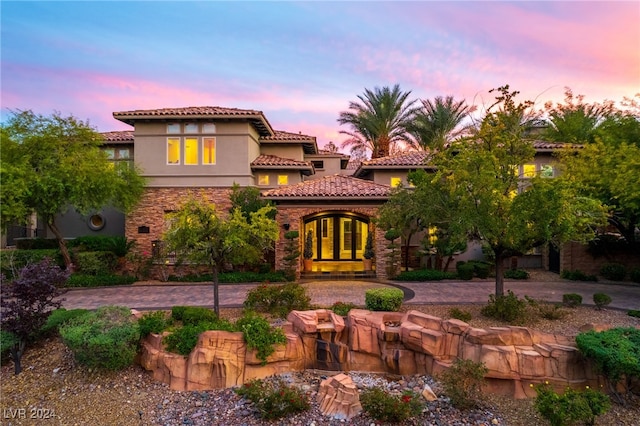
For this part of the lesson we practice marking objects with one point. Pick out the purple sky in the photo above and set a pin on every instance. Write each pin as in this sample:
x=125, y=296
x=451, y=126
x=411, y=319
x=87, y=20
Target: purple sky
x=302, y=62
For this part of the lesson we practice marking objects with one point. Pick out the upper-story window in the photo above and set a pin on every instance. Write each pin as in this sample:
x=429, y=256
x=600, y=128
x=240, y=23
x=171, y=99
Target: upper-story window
x=173, y=128
x=208, y=128
x=191, y=128
x=318, y=164
x=283, y=180
x=395, y=181
x=263, y=179
x=546, y=171
x=191, y=151
x=173, y=150
x=528, y=170
x=208, y=150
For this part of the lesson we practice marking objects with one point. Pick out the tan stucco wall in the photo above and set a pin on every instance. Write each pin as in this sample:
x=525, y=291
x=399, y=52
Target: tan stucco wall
x=294, y=177
x=331, y=166
x=291, y=151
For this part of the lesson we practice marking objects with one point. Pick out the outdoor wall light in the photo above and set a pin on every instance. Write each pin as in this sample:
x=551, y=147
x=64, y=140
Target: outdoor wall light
x=286, y=226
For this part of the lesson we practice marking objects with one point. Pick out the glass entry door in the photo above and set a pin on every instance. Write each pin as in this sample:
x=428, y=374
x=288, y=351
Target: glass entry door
x=338, y=236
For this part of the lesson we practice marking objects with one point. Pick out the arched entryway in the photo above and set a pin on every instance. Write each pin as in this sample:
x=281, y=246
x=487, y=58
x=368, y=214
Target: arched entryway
x=339, y=239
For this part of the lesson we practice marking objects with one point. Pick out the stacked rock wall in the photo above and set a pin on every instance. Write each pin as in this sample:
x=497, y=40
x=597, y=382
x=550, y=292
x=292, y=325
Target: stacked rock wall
x=389, y=342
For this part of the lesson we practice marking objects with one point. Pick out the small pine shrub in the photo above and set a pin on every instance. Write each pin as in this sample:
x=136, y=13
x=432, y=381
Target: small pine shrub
x=383, y=299
x=152, y=322
x=389, y=408
x=516, y=274
x=571, y=300
x=192, y=315
x=572, y=406
x=507, y=308
x=635, y=275
x=459, y=314
x=601, y=300
x=613, y=271
x=106, y=339
x=462, y=382
x=342, y=308
x=274, y=400
x=278, y=300
x=577, y=275
x=425, y=275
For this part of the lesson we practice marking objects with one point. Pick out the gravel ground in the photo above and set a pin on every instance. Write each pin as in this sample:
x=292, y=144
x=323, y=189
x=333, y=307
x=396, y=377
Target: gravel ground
x=53, y=390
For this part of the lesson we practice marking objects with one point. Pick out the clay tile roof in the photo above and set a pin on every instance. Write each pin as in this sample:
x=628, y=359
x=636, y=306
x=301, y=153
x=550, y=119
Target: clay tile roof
x=309, y=144
x=118, y=136
x=406, y=160
x=273, y=161
x=257, y=118
x=334, y=186
x=552, y=146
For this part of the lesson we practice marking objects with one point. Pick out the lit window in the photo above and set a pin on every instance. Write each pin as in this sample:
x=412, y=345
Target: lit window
x=513, y=193
x=433, y=235
x=263, y=179
x=173, y=128
x=191, y=151
x=208, y=150
x=529, y=170
x=191, y=128
x=546, y=171
x=173, y=150
x=283, y=180
x=208, y=128
x=395, y=181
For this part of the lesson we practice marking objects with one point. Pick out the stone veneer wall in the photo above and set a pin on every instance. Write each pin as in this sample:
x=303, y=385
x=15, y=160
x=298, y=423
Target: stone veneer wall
x=576, y=256
x=294, y=216
x=391, y=342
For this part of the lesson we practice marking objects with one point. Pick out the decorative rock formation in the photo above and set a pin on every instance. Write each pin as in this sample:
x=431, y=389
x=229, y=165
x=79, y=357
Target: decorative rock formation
x=338, y=397
x=392, y=342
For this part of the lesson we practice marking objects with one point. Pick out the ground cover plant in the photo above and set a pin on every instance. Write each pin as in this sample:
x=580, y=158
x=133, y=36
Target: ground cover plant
x=577, y=275
x=274, y=400
x=278, y=300
x=570, y=407
x=507, y=308
x=342, y=308
x=425, y=275
x=385, y=407
x=462, y=382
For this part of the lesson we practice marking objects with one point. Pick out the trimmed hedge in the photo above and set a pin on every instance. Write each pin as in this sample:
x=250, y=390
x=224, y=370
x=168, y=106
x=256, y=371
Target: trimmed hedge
x=96, y=262
x=425, y=275
x=383, y=299
x=613, y=271
x=233, y=277
x=616, y=352
x=577, y=275
x=571, y=300
x=516, y=274
x=36, y=244
x=81, y=280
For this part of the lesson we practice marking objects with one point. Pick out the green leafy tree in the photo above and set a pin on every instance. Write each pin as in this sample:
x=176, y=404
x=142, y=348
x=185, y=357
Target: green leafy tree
x=247, y=199
x=378, y=121
x=480, y=179
x=437, y=122
x=52, y=163
x=198, y=233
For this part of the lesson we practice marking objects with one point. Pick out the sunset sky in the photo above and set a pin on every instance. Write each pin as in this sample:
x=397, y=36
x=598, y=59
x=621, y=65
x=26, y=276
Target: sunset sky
x=302, y=62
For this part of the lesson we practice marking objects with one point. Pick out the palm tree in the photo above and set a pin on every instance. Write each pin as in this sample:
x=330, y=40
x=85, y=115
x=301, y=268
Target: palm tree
x=437, y=122
x=378, y=121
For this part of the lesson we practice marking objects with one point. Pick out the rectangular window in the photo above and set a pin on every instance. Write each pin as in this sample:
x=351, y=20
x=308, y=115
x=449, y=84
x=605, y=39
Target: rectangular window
x=529, y=170
x=191, y=128
x=191, y=151
x=263, y=179
x=318, y=164
x=283, y=180
x=546, y=171
x=123, y=153
x=111, y=153
x=395, y=181
x=208, y=128
x=208, y=150
x=173, y=128
x=173, y=150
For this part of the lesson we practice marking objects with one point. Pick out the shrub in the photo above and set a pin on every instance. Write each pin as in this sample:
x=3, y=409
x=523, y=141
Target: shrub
x=278, y=300
x=459, y=314
x=233, y=277
x=615, y=352
x=601, y=300
x=462, y=382
x=259, y=335
x=152, y=322
x=383, y=299
x=551, y=311
x=81, y=280
x=95, y=262
x=425, y=275
x=59, y=317
x=26, y=303
x=634, y=313
x=192, y=315
x=507, y=308
x=577, y=275
x=369, y=252
x=635, y=275
x=7, y=341
x=572, y=406
x=36, y=244
x=342, y=308
x=385, y=407
x=516, y=274
x=13, y=261
x=106, y=339
x=613, y=271
x=90, y=243
x=571, y=300
x=307, y=253
x=183, y=339
x=120, y=245
x=480, y=269
x=274, y=400
x=465, y=270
